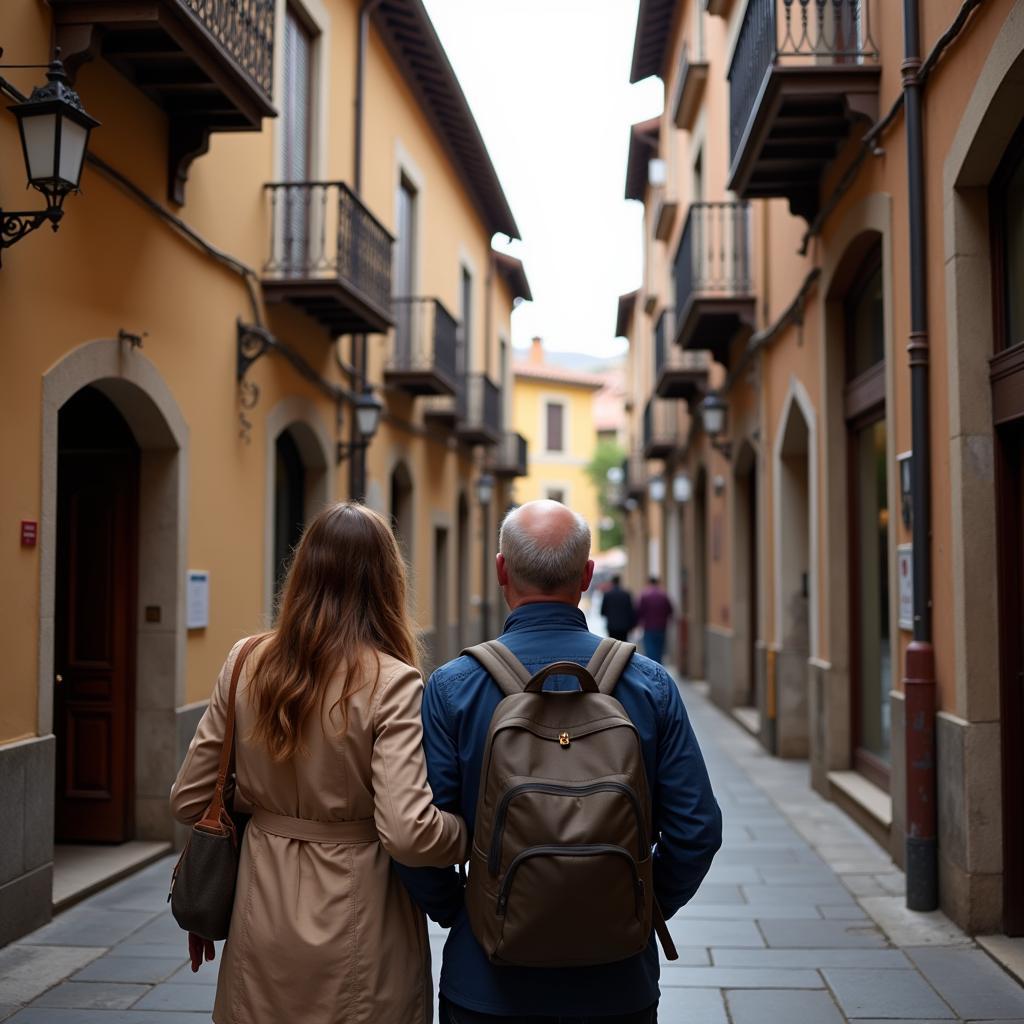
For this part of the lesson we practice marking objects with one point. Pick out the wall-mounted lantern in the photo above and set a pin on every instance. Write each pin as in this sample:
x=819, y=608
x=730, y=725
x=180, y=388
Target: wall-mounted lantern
x=484, y=489
x=368, y=413
x=682, y=488
x=714, y=414
x=55, y=133
x=656, y=489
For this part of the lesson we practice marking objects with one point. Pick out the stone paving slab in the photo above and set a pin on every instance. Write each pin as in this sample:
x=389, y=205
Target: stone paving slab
x=92, y=995
x=971, y=983
x=863, y=992
x=145, y=969
x=27, y=970
x=825, y=934
x=816, y=958
x=775, y=1007
x=692, y=1006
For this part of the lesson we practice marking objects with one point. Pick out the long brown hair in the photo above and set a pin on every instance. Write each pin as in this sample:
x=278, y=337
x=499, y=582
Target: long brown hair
x=343, y=602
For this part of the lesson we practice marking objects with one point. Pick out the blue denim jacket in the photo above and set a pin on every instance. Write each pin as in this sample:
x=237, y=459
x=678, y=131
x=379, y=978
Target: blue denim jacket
x=458, y=703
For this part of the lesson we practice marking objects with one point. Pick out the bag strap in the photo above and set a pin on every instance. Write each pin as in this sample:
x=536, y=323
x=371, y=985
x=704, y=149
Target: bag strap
x=216, y=813
x=501, y=665
x=661, y=928
x=609, y=661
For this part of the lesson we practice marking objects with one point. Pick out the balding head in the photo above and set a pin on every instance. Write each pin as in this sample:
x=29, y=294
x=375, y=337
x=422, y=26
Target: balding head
x=545, y=548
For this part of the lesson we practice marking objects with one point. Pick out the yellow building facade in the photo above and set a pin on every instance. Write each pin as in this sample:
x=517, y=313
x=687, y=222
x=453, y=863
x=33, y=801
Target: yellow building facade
x=282, y=217
x=845, y=545
x=553, y=408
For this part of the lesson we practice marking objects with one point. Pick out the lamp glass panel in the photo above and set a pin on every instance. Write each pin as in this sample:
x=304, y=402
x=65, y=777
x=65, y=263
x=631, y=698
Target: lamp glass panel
x=73, y=138
x=39, y=132
x=714, y=419
x=682, y=488
x=367, y=418
x=484, y=491
x=656, y=489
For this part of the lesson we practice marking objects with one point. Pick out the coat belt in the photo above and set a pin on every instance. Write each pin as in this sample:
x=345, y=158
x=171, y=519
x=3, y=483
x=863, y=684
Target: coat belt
x=359, y=831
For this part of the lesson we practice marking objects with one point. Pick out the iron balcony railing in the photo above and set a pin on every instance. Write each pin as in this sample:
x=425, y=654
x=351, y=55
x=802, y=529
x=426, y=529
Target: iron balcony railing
x=713, y=258
x=245, y=29
x=320, y=229
x=800, y=32
x=669, y=358
x=426, y=339
x=511, y=456
x=661, y=426
x=478, y=406
x=636, y=474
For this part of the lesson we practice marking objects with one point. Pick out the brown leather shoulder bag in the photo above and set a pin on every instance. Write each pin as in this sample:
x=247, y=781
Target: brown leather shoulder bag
x=203, y=882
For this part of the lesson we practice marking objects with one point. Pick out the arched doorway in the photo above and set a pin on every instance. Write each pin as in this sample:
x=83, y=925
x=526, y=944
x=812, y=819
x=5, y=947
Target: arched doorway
x=793, y=583
x=299, y=491
x=110, y=405
x=746, y=582
x=95, y=621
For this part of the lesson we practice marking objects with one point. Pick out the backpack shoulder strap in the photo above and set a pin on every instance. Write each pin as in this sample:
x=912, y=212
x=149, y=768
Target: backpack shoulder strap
x=609, y=661
x=502, y=665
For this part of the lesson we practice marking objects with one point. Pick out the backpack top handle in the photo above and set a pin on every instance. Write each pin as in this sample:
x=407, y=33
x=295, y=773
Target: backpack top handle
x=562, y=668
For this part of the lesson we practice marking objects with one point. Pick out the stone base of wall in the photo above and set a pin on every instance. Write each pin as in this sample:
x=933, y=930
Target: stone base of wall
x=792, y=724
x=718, y=645
x=186, y=719
x=26, y=824
x=829, y=723
x=968, y=756
x=898, y=780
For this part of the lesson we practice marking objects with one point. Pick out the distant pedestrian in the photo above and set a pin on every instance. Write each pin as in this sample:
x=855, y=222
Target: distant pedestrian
x=331, y=767
x=617, y=610
x=653, y=612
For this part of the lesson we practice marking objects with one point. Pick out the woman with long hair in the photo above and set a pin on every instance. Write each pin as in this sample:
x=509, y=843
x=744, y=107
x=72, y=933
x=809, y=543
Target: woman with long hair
x=328, y=761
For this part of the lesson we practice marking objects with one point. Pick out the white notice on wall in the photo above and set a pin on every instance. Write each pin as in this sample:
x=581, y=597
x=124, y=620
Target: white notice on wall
x=197, y=599
x=905, y=575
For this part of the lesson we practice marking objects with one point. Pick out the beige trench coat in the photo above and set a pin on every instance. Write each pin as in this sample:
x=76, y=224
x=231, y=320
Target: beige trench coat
x=324, y=932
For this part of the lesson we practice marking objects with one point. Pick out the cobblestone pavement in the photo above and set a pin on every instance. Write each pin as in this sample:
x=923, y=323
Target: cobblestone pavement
x=801, y=921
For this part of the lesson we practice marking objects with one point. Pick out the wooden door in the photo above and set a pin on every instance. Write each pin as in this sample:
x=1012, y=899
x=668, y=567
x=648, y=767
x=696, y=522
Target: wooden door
x=94, y=656
x=1011, y=628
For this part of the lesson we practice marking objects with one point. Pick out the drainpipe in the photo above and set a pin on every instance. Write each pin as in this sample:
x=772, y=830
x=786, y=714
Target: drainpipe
x=919, y=676
x=357, y=464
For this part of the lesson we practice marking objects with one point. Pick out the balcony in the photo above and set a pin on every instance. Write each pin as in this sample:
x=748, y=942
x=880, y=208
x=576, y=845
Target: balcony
x=665, y=218
x=329, y=256
x=690, y=81
x=636, y=475
x=714, y=292
x=479, y=411
x=510, y=456
x=208, y=64
x=801, y=73
x=677, y=374
x=424, y=357
x=661, y=428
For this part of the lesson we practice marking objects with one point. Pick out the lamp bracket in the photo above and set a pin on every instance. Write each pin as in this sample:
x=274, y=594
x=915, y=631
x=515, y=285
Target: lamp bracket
x=344, y=449
x=16, y=224
x=724, y=448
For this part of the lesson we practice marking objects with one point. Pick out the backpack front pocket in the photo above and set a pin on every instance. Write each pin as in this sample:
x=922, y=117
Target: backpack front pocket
x=563, y=905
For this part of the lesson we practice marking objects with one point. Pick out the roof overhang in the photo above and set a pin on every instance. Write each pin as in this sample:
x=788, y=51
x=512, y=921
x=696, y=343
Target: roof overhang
x=653, y=32
x=627, y=303
x=412, y=40
x=643, y=145
x=515, y=274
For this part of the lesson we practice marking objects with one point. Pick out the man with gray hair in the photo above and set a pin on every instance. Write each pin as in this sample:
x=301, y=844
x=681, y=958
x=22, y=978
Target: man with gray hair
x=544, y=567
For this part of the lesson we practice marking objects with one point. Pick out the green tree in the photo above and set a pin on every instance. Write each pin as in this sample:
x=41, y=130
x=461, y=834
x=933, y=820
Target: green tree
x=607, y=454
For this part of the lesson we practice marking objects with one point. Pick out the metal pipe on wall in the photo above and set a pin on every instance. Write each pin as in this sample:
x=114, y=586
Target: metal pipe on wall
x=919, y=675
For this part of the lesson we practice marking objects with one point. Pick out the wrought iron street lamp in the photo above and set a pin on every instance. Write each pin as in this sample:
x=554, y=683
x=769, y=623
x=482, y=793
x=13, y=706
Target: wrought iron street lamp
x=682, y=488
x=484, y=495
x=55, y=133
x=714, y=413
x=656, y=489
x=368, y=409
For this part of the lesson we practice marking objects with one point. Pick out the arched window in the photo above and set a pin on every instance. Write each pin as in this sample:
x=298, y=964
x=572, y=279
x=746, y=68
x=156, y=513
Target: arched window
x=289, y=504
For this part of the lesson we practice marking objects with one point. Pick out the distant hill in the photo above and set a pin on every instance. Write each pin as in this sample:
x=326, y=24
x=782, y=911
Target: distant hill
x=581, y=362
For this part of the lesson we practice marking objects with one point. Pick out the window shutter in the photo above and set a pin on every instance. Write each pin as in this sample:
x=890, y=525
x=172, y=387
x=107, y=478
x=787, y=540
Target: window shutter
x=555, y=425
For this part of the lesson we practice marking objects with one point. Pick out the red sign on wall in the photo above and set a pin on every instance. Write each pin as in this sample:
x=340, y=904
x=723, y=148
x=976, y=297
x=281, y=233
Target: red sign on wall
x=29, y=533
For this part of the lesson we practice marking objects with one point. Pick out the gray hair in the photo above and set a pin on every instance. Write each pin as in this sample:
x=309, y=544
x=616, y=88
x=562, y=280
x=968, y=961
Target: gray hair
x=538, y=563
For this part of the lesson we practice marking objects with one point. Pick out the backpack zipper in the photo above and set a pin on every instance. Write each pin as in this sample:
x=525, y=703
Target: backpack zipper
x=591, y=850
x=557, y=789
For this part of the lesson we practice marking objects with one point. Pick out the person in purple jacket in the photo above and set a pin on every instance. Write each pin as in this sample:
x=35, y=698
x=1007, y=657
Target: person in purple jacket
x=653, y=612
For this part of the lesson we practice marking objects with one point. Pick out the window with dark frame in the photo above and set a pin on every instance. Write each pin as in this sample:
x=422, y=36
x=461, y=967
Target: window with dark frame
x=867, y=443
x=555, y=427
x=1006, y=215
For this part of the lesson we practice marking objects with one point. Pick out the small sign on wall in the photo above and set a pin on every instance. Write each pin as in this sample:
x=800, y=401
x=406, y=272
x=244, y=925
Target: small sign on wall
x=905, y=577
x=197, y=600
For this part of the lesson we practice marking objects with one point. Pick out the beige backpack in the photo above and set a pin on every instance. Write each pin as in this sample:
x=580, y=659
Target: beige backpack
x=560, y=870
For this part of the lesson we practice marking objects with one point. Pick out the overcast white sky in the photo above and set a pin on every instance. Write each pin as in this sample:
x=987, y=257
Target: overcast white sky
x=548, y=81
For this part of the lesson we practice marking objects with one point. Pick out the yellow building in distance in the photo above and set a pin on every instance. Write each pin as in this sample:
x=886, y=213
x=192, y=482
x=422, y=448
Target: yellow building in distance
x=553, y=408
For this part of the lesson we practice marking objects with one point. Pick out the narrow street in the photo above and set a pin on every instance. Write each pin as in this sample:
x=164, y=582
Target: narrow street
x=801, y=920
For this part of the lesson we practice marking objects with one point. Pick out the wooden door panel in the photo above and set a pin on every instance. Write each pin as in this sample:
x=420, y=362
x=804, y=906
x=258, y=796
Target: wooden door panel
x=95, y=645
